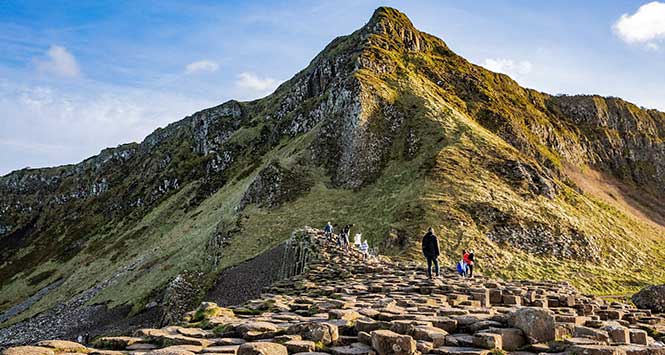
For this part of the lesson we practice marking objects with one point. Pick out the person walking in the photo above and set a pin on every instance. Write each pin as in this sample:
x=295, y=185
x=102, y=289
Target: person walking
x=328, y=230
x=344, y=236
x=364, y=248
x=430, y=245
x=461, y=265
x=471, y=263
x=468, y=263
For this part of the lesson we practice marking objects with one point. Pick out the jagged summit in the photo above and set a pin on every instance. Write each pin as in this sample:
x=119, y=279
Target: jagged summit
x=384, y=19
x=387, y=129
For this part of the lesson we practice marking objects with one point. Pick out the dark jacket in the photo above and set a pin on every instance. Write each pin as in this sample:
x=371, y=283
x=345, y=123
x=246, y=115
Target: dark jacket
x=430, y=245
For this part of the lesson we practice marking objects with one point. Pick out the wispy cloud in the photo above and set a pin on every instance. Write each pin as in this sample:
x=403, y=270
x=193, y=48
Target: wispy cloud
x=204, y=65
x=58, y=61
x=57, y=125
x=255, y=84
x=646, y=26
x=508, y=66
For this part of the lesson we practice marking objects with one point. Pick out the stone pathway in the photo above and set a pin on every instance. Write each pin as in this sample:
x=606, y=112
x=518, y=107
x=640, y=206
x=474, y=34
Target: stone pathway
x=345, y=305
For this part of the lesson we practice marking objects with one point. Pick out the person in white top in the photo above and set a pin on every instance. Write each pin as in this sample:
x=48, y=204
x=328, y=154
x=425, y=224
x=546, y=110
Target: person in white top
x=364, y=248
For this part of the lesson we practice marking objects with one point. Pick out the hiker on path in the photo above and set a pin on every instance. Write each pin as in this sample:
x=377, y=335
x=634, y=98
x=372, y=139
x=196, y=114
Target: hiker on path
x=471, y=263
x=364, y=248
x=344, y=236
x=431, y=252
x=461, y=265
x=328, y=229
x=468, y=261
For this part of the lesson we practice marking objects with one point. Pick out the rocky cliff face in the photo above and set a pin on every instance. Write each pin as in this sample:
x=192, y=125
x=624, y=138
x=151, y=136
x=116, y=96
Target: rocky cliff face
x=387, y=128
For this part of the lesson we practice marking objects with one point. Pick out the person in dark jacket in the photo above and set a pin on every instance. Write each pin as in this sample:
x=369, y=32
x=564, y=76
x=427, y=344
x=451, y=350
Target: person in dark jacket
x=431, y=251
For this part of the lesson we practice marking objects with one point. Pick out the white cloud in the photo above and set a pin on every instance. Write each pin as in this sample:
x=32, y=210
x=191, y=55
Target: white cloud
x=645, y=26
x=53, y=125
x=508, y=66
x=204, y=65
x=59, y=62
x=255, y=84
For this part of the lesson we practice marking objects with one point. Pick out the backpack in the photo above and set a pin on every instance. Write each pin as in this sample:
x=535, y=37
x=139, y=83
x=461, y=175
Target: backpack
x=461, y=269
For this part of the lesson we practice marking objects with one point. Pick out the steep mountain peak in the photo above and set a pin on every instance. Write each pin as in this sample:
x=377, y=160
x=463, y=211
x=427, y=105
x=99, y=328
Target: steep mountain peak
x=384, y=16
x=396, y=27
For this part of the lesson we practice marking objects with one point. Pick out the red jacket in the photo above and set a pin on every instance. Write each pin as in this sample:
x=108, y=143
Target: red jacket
x=466, y=259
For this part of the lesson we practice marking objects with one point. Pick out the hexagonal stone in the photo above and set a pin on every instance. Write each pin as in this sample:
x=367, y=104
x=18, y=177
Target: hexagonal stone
x=167, y=351
x=28, y=350
x=141, y=346
x=262, y=348
x=190, y=348
x=511, y=338
x=227, y=341
x=323, y=332
x=108, y=352
x=598, y=334
x=115, y=343
x=595, y=350
x=353, y=349
x=427, y=333
x=618, y=334
x=388, y=342
x=638, y=336
x=346, y=314
x=224, y=349
x=252, y=329
x=456, y=350
x=487, y=341
x=299, y=346
x=195, y=332
x=62, y=345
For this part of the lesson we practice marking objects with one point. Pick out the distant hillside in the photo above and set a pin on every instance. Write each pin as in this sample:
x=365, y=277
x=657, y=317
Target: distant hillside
x=387, y=128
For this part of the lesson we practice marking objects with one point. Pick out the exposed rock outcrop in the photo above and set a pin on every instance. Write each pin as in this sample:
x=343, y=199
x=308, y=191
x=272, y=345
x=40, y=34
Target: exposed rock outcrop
x=651, y=297
x=275, y=185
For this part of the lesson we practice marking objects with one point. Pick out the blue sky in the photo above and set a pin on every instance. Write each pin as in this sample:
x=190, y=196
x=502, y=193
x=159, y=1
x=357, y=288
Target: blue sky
x=78, y=76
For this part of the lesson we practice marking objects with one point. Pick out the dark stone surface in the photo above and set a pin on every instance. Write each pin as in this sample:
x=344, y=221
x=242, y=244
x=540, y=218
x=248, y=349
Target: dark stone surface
x=240, y=283
x=651, y=297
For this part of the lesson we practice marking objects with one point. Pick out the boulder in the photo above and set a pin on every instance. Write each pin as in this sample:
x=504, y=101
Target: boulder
x=537, y=324
x=651, y=297
x=386, y=342
x=262, y=348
